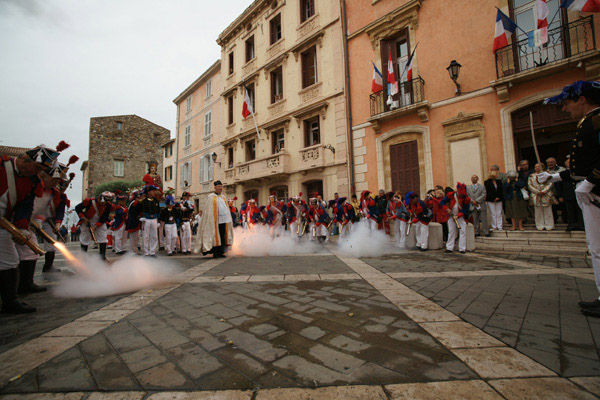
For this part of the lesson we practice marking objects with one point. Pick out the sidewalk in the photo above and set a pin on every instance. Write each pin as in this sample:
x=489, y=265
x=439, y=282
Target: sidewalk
x=411, y=325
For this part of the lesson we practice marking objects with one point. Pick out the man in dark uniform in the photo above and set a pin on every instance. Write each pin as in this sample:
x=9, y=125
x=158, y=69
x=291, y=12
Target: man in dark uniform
x=582, y=100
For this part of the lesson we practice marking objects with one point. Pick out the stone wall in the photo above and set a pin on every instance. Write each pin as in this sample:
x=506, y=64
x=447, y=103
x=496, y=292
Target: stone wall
x=137, y=142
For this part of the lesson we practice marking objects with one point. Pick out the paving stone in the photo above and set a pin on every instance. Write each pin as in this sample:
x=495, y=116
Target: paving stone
x=164, y=376
x=335, y=360
x=467, y=390
x=144, y=358
x=67, y=372
x=193, y=360
x=204, y=339
x=166, y=338
x=309, y=373
x=211, y=324
x=109, y=372
x=458, y=334
x=224, y=378
x=540, y=388
x=205, y=395
x=117, y=396
x=591, y=383
x=46, y=396
x=347, y=344
x=262, y=329
x=346, y=392
x=500, y=362
x=240, y=362
x=312, y=333
x=258, y=348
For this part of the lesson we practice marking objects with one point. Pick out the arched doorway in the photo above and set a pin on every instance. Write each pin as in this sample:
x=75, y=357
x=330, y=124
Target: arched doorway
x=554, y=131
x=312, y=187
x=281, y=192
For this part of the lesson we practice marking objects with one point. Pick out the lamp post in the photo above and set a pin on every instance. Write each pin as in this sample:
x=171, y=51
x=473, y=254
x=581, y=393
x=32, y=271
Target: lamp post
x=213, y=156
x=454, y=70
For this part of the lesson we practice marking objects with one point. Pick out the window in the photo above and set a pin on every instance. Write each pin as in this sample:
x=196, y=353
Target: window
x=307, y=9
x=206, y=168
x=275, y=28
x=250, y=49
x=278, y=143
x=312, y=132
x=169, y=150
x=309, y=67
x=230, y=157
x=250, y=150
x=188, y=104
x=186, y=174
x=119, y=168
x=119, y=126
x=187, y=140
x=231, y=63
x=168, y=173
x=399, y=47
x=251, y=194
x=207, y=123
x=230, y=110
x=276, y=85
x=208, y=89
x=281, y=192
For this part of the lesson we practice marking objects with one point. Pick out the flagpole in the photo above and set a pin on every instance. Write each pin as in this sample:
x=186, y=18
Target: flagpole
x=526, y=34
x=409, y=59
x=255, y=125
x=555, y=14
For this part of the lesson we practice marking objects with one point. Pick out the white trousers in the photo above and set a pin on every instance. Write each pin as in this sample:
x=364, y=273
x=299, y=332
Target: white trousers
x=150, y=237
x=186, y=237
x=276, y=230
x=9, y=258
x=591, y=218
x=170, y=240
x=100, y=231
x=400, y=233
x=120, y=239
x=544, y=218
x=495, y=210
x=294, y=229
x=134, y=241
x=422, y=235
x=372, y=224
x=48, y=229
x=24, y=252
x=345, y=229
x=453, y=231
x=316, y=231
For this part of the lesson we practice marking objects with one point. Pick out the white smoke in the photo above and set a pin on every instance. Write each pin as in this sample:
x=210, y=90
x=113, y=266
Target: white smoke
x=258, y=242
x=125, y=275
x=364, y=242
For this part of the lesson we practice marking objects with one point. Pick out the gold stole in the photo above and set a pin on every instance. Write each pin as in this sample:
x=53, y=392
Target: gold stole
x=216, y=216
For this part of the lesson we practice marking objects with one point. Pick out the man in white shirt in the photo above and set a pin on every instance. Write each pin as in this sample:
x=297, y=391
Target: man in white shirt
x=216, y=228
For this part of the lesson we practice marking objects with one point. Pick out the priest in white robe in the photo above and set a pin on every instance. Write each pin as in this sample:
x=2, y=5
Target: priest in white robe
x=216, y=227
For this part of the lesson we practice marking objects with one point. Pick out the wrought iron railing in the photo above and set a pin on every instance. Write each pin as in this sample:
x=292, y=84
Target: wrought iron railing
x=410, y=92
x=563, y=42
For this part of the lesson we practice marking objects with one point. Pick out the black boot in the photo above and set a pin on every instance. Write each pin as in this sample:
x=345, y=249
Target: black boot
x=27, y=271
x=103, y=251
x=9, y=279
x=49, y=262
x=84, y=248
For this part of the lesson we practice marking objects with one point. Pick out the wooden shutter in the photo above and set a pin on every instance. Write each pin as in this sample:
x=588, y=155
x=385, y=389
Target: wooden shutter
x=404, y=165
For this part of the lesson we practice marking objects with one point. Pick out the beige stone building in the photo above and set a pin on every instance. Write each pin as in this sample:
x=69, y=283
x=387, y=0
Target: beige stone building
x=169, y=164
x=290, y=56
x=121, y=149
x=199, y=122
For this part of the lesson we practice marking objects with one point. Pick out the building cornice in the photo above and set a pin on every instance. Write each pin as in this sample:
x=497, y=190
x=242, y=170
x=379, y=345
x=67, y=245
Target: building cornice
x=391, y=21
x=243, y=19
x=216, y=67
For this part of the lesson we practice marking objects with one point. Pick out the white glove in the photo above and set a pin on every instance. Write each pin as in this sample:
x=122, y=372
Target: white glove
x=584, y=191
x=544, y=177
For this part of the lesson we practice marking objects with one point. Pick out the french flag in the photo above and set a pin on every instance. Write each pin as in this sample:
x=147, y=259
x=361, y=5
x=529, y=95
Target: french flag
x=504, y=25
x=247, y=107
x=591, y=6
x=377, y=85
x=409, y=65
x=542, y=22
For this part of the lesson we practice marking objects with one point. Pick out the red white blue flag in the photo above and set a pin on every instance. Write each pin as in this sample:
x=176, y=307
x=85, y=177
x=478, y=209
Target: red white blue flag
x=247, y=108
x=591, y=6
x=377, y=85
x=504, y=25
x=409, y=65
x=391, y=79
x=541, y=33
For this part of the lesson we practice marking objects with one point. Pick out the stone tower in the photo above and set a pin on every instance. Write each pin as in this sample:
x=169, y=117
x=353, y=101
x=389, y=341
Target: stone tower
x=121, y=148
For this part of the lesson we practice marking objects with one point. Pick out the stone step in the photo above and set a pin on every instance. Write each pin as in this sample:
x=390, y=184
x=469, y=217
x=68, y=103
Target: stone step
x=538, y=234
x=557, y=242
x=546, y=250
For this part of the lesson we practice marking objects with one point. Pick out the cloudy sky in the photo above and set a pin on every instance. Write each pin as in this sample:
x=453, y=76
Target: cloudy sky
x=65, y=61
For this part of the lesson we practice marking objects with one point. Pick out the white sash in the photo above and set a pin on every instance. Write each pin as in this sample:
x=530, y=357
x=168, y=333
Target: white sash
x=12, y=187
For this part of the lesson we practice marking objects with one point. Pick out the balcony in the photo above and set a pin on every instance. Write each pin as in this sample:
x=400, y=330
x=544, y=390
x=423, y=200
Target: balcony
x=273, y=165
x=563, y=42
x=312, y=157
x=409, y=100
x=567, y=46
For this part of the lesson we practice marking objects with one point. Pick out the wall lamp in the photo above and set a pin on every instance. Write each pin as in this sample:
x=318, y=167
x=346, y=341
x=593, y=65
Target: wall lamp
x=454, y=70
x=214, y=158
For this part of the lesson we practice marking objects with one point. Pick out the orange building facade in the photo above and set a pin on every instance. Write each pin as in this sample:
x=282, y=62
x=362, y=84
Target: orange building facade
x=432, y=133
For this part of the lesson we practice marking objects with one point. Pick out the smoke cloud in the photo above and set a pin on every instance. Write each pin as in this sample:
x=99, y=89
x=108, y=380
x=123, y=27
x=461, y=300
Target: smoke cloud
x=125, y=275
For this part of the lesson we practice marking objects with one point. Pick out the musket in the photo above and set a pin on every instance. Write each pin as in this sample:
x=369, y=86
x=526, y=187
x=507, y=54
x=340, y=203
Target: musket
x=15, y=232
x=43, y=233
x=57, y=232
x=456, y=221
x=304, y=229
x=330, y=224
x=409, y=223
x=93, y=234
